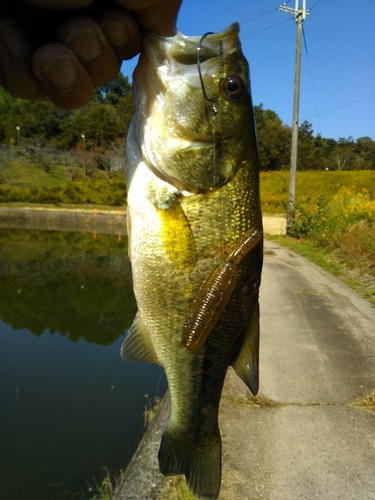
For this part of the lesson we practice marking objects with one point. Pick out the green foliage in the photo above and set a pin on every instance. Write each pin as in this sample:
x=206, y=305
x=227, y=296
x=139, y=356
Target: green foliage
x=104, y=122
x=105, y=490
x=273, y=139
x=274, y=187
x=104, y=119
x=111, y=93
x=109, y=192
x=310, y=218
x=314, y=153
x=341, y=229
x=73, y=284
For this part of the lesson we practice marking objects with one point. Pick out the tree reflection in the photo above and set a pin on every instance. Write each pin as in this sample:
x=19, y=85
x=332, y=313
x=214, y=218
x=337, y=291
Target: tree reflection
x=67, y=283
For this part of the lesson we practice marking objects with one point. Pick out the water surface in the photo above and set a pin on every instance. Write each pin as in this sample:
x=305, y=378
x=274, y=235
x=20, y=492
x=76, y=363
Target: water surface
x=69, y=405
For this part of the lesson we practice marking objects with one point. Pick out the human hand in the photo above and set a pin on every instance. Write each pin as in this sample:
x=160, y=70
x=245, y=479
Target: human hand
x=64, y=51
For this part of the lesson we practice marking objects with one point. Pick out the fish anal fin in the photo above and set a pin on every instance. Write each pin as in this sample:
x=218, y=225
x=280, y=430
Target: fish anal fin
x=138, y=346
x=246, y=364
x=201, y=465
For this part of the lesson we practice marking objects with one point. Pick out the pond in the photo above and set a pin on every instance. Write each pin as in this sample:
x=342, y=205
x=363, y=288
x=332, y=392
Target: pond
x=69, y=405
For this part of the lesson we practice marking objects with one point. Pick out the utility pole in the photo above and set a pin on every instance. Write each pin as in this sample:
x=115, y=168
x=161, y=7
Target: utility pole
x=299, y=13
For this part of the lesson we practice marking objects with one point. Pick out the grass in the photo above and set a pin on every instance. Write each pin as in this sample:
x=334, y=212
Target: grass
x=274, y=187
x=177, y=489
x=105, y=490
x=356, y=277
x=307, y=249
x=367, y=402
x=27, y=174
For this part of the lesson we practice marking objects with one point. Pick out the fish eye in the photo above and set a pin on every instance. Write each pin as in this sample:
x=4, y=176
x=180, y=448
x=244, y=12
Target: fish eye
x=233, y=87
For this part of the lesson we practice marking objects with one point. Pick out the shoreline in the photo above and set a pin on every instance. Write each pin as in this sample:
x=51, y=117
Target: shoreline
x=49, y=219
x=91, y=219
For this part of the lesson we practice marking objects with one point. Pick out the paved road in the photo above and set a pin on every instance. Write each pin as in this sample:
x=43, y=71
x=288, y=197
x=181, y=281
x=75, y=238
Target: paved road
x=317, y=356
x=303, y=439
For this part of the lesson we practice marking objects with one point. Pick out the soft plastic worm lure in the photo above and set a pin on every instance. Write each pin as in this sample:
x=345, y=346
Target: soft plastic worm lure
x=215, y=293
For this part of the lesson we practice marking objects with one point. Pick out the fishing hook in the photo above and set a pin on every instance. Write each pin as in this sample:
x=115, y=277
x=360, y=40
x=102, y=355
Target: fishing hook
x=214, y=107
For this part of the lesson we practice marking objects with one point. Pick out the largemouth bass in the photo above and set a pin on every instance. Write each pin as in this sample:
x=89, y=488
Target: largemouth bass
x=195, y=237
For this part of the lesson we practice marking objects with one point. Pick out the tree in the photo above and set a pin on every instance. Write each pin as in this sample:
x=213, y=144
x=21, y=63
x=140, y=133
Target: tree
x=273, y=139
x=305, y=159
x=6, y=103
x=40, y=118
x=343, y=155
x=112, y=92
x=35, y=151
x=365, y=153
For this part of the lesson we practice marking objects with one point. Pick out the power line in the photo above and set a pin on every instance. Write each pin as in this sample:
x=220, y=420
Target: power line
x=317, y=3
x=260, y=15
x=343, y=106
x=268, y=27
x=311, y=80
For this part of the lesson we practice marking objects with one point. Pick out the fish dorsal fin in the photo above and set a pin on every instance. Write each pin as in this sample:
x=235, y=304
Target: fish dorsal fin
x=247, y=362
x=138, y=346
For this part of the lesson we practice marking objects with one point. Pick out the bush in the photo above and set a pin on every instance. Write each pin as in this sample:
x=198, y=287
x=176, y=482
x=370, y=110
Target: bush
x=347, y=221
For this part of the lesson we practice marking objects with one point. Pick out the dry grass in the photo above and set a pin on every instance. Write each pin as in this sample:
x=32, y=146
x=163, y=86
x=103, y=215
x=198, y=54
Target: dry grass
x=366, y=402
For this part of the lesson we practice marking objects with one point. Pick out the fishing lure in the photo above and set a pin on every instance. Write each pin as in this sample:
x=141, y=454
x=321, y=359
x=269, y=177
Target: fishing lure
x=215, y=293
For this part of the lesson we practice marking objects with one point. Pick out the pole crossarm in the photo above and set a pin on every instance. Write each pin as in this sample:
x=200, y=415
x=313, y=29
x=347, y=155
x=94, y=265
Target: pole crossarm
x=297, y=12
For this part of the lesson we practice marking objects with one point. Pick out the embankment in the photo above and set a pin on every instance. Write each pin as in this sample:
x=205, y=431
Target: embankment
x=103, y=221
x=109, y=222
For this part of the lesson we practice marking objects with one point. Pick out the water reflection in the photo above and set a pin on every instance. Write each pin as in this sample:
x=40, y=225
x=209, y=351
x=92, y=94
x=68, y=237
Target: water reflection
x=67, y=409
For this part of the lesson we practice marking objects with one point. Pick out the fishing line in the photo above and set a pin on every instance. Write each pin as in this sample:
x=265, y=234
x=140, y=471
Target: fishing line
x=214, y=112
x=199, y=48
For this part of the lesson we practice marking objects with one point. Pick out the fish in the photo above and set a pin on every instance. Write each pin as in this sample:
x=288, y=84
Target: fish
x=195, y=237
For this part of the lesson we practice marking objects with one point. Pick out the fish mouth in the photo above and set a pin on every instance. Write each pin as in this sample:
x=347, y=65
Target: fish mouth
x=182, y=134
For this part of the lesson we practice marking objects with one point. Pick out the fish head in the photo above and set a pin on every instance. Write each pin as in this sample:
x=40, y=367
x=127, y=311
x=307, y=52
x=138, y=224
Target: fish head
x=195, y=119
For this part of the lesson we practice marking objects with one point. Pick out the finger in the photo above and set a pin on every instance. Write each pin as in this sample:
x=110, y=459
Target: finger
x=122, y=32
x=15, y=53
x=61, y=76
x=86, y=39
x=59, y=5
x=158, y=16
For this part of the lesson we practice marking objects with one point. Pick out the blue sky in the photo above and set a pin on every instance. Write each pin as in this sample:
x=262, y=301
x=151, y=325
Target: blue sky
x=337, y=71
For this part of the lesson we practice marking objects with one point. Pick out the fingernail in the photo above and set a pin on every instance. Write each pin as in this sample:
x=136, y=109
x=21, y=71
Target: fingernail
x=85, y=44
x=12, y=39
x=60, y=72
x=115, y=33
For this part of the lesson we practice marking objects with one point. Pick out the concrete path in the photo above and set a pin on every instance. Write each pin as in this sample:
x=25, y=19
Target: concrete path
x=302, y=438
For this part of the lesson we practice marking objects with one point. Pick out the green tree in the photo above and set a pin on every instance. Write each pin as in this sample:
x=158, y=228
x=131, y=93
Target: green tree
x=112, y=92
x=365, y=154
x=305, y=160
x=273, y=139
x=343, y=155
x=322, y=150
x=40, y=118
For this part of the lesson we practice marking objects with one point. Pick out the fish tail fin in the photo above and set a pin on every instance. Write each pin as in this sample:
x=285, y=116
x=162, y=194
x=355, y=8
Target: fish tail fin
x=200, y=464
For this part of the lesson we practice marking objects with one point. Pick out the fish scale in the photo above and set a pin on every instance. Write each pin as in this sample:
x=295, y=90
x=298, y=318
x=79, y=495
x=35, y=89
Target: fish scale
x=183, y=225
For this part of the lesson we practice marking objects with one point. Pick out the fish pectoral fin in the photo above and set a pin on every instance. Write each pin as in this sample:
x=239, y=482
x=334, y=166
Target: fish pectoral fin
x=138, y=346
x=201, y=465
x=246, y=364
x=177, y=236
